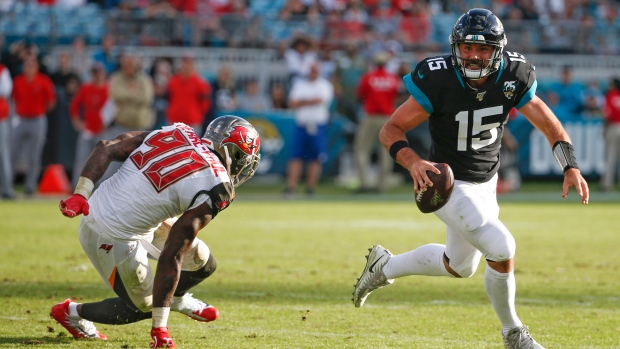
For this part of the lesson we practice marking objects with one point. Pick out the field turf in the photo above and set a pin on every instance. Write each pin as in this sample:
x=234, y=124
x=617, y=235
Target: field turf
x=286, y=271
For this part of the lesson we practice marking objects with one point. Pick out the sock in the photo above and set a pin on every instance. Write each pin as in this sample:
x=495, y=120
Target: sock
x=424, y=260
x=501, y=289
x=73, y=309
x=160, y=317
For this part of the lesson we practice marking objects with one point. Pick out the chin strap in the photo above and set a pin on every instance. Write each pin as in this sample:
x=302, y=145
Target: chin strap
x=228, y=163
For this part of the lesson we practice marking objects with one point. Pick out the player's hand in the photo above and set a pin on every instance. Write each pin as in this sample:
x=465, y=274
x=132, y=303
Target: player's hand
x=417, y=170
x=74, y=205
x=161, y=338
x=573, y=178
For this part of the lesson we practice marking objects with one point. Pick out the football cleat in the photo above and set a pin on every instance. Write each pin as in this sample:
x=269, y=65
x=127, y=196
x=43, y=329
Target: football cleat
x=519, y=338
x=78, y=327
x=194, y=308
x=372, y=278
x=161, y=338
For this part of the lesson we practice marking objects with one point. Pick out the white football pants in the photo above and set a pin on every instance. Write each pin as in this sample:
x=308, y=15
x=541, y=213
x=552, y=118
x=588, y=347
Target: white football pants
x=473, y=227
x=129, y=259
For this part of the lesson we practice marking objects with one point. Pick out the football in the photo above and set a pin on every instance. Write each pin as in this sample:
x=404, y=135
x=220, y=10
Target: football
x=435, y=197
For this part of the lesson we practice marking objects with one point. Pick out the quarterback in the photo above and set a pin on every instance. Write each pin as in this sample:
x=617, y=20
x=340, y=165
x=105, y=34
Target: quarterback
x=131, y=217
x=467, y=97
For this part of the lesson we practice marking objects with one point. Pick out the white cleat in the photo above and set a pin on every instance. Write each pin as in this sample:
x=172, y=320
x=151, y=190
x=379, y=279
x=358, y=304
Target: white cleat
x=372, y=278
x=520, y=338
x=194, y=308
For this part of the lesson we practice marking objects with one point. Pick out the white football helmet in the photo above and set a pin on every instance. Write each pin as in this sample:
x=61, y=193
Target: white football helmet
x=237, y=143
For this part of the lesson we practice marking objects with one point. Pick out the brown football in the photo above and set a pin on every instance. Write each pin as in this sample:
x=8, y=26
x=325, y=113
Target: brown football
x=435, y=197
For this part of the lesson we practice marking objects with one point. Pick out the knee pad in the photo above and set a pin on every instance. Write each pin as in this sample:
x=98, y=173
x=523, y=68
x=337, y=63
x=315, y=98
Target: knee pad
x=496, y=242
x=197, y=256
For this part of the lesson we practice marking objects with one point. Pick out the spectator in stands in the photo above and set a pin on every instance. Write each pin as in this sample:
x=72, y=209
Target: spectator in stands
x=65, y=71
x=395, y=50
x=278, y=97
x=224, y=90
x=326, y=63
x=552, y=98
x=299, y=58
x=34, y=96
x=377, y=92
x=569, y=91
x=81, y=62
x=161, y=72
x=13, y=59
x=6, y=173
x=612, y=136
x=107, y=55
x=189, y=96
x=349, y=70
x=252, y=99
x=311, y=99
x=85, y=111
x=592, y=101
x=131, y=94
x=296, y=10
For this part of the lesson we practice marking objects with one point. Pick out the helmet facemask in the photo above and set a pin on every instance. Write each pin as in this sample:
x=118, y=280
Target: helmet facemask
x=237, y=143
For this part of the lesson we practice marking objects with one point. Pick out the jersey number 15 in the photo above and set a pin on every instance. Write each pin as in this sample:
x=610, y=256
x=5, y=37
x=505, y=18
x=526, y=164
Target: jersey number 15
x=477, y=128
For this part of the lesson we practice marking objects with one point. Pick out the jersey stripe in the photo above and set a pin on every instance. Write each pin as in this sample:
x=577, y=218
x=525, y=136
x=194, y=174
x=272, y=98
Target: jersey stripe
x=417, y=94
x=528, y=95
x=501, y=70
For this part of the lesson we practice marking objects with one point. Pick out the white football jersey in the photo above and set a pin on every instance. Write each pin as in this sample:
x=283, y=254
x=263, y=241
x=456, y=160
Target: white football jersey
x=171, y=172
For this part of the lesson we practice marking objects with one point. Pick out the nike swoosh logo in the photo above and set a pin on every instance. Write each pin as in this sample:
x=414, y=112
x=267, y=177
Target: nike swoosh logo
x=373, y=265
x=420, y=75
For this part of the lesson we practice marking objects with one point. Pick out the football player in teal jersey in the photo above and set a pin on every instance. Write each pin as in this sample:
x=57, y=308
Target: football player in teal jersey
x=466, y=96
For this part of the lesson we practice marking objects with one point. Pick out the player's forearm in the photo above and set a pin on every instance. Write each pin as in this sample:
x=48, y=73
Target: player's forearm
x=107, y=151
x=391, y=134
x=166, y=280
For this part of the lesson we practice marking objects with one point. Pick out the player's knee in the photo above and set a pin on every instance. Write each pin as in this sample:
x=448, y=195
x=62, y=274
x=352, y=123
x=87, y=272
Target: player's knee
x=197, y=257
x=208, y=268
x=467, y=215
x=498, y=244
x=144, y=304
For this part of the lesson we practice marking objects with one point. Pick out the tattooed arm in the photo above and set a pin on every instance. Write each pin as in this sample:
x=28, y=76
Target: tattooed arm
x=106, y=151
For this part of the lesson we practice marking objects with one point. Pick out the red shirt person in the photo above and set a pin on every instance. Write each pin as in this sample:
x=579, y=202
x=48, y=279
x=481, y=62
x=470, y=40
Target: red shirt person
x=33, y=95
x=377, y=90
x=189, y=96
x=86, y=117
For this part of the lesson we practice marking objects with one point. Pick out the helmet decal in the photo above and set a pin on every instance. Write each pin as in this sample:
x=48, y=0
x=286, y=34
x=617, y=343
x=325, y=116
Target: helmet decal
x=244, y=138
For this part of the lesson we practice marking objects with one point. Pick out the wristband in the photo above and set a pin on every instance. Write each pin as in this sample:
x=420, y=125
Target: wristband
x=84, y=187
x=396, y=147
x=565, y=155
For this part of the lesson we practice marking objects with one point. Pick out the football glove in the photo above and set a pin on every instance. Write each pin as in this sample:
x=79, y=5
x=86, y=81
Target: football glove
x=161, y=338
x=74, y=205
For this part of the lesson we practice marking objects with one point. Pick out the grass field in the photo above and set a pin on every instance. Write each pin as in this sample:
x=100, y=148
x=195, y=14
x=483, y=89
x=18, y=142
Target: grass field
x=286, y=270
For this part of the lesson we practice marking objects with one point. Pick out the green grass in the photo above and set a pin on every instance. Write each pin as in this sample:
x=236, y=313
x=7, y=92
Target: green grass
x=286, y=270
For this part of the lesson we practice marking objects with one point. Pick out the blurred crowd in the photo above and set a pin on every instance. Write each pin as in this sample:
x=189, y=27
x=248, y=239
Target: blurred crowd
x=558, y=26
x=84, y=95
